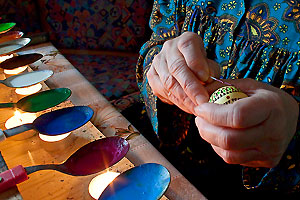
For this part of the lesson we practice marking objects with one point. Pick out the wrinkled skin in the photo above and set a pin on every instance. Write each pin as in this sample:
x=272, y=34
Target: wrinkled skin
x=254, y=131
x=178, y=72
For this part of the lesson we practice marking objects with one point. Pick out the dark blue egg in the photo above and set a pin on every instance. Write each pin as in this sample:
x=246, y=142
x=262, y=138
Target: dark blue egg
x=145, y=182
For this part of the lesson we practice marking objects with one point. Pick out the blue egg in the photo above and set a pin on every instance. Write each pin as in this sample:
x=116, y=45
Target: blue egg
x=145, y=182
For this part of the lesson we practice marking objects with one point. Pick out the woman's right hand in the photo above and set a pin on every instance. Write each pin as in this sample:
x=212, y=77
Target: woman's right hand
x=178, y=72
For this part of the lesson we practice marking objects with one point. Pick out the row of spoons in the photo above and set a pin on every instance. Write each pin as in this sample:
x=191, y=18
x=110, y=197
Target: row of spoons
x=147, y=181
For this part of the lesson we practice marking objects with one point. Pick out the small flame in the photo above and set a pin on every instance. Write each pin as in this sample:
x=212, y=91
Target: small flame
x=19, y=119
x=29, y=90
x=100, y=182
x=3, y=58
x=16, y=70
x=55, y=138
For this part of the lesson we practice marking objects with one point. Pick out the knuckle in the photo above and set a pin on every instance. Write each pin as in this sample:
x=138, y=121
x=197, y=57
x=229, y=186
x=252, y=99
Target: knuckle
x=177, y=66
x=238, y=117
x=186, y=41
x=168, y=44
x=156, y=59
x=187, y=85
x=227, y=141
x=168, y=82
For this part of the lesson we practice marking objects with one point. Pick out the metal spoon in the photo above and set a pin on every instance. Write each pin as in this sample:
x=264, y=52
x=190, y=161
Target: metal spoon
x=40, y=101
x=54, y=123
x=20, y=60
x=27, y=79
x=11, y=35
x=148, y=181
x=4, y=27
x=13, y=45
x=89, y=159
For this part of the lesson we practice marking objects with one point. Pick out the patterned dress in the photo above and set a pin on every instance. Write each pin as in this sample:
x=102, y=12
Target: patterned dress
x=249, y=39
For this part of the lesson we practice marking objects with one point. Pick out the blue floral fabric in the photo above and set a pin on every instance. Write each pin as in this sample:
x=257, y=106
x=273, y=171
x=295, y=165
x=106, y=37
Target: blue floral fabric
x=249, y=39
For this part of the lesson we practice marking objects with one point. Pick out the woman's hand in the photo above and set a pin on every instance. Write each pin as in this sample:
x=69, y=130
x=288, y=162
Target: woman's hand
x=179, y=70
x=254, y=131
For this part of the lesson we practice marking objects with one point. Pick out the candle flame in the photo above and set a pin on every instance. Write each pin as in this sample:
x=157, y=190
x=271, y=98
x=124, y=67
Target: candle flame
x=100, y=182
x=16, y=70
x=19, y=119
x=55, y=138
x=29, y=90
x=3, y=58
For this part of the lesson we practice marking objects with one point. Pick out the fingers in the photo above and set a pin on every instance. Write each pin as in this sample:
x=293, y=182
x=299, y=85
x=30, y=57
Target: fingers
x=239, y=157
x=229, y=138
x=190, y=84
x=243, y=113
x=173, y=95
x=157, y=87
x=192, y=48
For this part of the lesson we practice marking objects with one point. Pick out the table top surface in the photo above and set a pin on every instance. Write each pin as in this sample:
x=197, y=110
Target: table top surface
x=27, y=149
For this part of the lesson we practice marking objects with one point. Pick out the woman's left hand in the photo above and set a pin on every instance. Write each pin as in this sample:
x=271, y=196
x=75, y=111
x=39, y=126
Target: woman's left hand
x=253, y=131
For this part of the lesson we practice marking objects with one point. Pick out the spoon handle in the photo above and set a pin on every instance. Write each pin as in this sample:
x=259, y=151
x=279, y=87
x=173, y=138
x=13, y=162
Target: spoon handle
x=12, y=177
x=35, y=168
x=16, y=130
x=7, y=105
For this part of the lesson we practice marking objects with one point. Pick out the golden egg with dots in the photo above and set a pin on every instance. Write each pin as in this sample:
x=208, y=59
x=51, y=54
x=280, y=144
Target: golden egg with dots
x=226, y=95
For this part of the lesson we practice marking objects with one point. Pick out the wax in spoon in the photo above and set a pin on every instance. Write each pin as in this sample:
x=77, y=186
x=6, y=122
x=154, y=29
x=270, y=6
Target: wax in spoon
x=54, y=123
x=21, y=60
x=13, y=45
x=89, y=159
x=4, y=27
x=27, y=79
x=148, y=181
x=40, y=101
x=11, y=35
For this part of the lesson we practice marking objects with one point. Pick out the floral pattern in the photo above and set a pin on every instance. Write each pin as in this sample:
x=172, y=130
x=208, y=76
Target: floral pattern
x=259, y=26
x=292, y=13
x=249, y=39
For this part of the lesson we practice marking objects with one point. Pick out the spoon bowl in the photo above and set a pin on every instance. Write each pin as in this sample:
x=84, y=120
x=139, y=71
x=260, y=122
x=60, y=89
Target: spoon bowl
x=4, y=27
x=13, y=45
x=20, y=60
x=40, y=101
x=54, y=123
x=148, y=181
x=11, y=35
x=27, y=79
x=89, y=159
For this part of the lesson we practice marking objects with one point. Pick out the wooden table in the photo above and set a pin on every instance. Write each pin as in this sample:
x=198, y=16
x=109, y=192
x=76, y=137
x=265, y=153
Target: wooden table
x=28, y=149
x=55, y=185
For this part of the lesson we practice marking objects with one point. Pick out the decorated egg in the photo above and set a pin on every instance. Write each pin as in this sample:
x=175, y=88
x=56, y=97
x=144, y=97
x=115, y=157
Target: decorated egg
x=226, y=95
